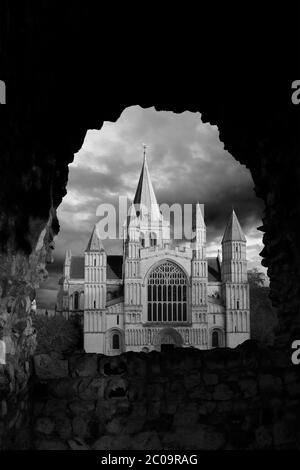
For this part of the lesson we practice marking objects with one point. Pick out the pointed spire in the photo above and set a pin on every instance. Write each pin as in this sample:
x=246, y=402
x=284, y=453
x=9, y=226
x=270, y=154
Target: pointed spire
x=132, y=212
x=145, y=197
x=94, y=243
x=132, y=217
x=68, y=258
x=233, y=231
x=200, y=215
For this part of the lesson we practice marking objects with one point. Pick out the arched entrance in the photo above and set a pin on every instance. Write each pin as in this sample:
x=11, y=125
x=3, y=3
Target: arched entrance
x=167, y=338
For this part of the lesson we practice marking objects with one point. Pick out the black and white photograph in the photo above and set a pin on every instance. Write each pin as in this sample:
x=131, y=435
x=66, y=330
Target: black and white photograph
x=149, y=239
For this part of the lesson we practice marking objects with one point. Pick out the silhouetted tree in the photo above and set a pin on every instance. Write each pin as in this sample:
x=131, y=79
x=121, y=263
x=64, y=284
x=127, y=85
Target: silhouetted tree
x=256, y=278
x=263, y=315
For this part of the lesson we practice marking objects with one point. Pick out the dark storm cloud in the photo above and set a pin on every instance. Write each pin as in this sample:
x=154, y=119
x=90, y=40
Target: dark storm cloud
x=187, y=161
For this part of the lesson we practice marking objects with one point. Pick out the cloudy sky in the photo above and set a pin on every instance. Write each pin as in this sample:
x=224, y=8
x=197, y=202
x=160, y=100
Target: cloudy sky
x=187, y=162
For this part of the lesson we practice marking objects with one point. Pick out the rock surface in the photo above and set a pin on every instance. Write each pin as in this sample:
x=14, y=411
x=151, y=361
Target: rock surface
x=201, y=407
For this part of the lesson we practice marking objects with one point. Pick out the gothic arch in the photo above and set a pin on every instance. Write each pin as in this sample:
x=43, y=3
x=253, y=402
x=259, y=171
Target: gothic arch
x=167, y=336
x=164, y=260
x=114, y=341
x=217, y=333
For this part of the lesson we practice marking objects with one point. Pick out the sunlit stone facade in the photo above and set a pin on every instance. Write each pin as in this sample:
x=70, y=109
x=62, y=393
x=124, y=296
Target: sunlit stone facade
x=158, y=292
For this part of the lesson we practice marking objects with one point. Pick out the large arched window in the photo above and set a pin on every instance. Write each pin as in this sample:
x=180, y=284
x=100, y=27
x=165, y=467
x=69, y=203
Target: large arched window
x=167, y=294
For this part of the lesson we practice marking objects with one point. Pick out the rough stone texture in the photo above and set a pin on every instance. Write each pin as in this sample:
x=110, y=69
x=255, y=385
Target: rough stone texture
x=48, y=367
x=20, y=275
x=237, y=407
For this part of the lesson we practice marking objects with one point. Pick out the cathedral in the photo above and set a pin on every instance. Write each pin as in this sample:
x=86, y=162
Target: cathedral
x=157, y=294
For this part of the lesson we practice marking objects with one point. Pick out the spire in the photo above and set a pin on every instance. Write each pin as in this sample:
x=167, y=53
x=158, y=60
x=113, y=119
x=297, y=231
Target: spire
x=233, y=231
x=145, y=196
x=132, y=217
x=132, y=212
x=68, y=257
x=200, y=215
x=94, y=243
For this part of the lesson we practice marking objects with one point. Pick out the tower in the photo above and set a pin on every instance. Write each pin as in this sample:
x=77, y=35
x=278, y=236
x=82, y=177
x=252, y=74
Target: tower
x=235, y=287
x=67, y=267
x=199, y=269
x=153, y=229
x=132, y=260
x=95, y=263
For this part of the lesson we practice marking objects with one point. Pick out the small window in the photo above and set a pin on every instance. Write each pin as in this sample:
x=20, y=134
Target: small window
x=76, y=301
x=153, y=239
x=214, y=319
x=94, y=303
x=95, y=262
x=116, y=341
x=237, y=304
x=215, y=339
x=117, y=319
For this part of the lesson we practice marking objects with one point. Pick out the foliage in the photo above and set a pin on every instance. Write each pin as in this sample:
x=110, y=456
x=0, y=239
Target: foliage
x=56, y=334
x=263, y=319
x=256, y=278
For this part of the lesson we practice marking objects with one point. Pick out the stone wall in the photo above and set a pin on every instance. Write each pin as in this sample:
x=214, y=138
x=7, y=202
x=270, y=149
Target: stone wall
x=20, y=275
x=246, y=398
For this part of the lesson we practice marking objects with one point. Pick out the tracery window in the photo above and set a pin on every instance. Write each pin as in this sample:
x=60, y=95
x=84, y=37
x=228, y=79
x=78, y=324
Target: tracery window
x=167, y=294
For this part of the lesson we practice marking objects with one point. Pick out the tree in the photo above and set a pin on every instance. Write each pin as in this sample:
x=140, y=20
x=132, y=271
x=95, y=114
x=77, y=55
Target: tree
x=263, y=318
x=56, y=334
x=256, y=278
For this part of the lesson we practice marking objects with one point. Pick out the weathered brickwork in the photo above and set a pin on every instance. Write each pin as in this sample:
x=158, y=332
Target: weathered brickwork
x=183, y=399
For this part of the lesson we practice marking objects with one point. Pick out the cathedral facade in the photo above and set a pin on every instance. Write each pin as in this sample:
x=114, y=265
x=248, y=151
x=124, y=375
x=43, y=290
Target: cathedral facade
x=157, y=293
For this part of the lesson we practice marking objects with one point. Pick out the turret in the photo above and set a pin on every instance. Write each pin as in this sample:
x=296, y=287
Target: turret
x=199, y=263
x=200, y=229
x=67, y=264
x=234, y=263
x=235, y=284
x=95, y=273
